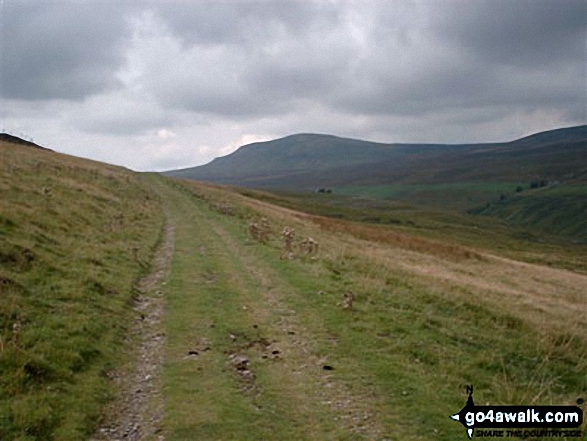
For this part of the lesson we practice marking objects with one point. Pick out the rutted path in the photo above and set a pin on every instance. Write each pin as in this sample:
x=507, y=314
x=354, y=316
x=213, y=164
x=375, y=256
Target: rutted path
x=348, y=409
x=255, y=348
x=137, y=412
x=239, y=362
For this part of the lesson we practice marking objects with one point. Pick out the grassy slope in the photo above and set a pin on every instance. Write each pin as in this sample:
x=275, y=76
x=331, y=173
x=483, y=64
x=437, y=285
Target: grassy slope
x=67, y=270
x=455, y=195
x=430, y=316
x=557, y=210
x=521, y=242
x=456, y=177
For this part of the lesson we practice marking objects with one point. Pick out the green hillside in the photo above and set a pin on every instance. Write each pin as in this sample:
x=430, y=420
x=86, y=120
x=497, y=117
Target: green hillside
x=75, y=235
x=489, y=179
x=455, y=195
x=562, y=248
x=306, y=161
x=557, y=210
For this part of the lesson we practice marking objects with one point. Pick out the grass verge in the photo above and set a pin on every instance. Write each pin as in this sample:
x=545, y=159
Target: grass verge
x=75, y=235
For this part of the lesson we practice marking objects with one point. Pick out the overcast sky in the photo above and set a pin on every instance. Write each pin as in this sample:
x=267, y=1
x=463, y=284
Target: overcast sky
x=155, y=85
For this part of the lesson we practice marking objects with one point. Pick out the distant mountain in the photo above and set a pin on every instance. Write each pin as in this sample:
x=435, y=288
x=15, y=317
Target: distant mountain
x=5, y=137
x=307, y=161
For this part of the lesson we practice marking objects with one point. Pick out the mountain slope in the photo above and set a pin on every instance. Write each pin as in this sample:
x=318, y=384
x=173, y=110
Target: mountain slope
x=5, y=137
x=303, y=161
x=306, y=161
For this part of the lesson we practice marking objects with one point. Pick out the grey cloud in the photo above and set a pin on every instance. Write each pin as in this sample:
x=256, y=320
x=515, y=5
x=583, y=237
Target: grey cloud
x=242, y=22
x=273, y=56
x=129, y=124
x=464, y=86
x=208, y=81
x=409, y=58
x=210, y=71
x=526, y=33
x=518, y=55
x=60, y=49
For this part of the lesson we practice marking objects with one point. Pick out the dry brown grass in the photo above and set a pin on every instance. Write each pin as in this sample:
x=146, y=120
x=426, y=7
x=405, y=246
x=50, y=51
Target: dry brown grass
x=540, y=294
x=396, y=240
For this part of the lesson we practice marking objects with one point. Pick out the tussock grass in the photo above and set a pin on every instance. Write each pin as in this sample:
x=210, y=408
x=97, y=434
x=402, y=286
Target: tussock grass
x=483, y=233
x=396, y=240
x=68, y=227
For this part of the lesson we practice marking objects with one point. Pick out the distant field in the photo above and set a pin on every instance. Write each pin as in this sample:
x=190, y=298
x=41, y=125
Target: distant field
x=558, y=210
x=457, y=195
x=566, y=190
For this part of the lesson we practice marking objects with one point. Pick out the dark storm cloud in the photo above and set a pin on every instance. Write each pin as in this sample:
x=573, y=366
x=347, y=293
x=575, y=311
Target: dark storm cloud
x=60, y=49
x=258, y=58
x=251, y=59
x=518, y=54
x=526, y=33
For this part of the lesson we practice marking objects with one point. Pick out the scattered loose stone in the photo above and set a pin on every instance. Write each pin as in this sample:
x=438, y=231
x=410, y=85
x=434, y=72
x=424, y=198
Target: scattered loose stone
x=137, y=412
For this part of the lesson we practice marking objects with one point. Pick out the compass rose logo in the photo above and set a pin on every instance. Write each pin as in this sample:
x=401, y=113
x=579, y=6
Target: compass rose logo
x=469, y=407
x=516, y=418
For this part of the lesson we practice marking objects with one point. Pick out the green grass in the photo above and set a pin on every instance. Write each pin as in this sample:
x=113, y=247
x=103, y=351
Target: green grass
x=212, y=296
x=67, y=271
x=455, y=195
x=558, y=210
x=404, y=354
x=432, y=311
x=419, y=348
